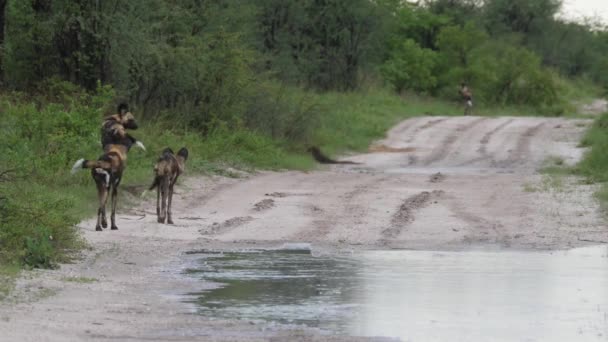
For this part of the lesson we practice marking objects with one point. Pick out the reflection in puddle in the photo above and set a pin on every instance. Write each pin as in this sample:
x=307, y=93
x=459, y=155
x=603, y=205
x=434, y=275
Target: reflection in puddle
x=419, y=296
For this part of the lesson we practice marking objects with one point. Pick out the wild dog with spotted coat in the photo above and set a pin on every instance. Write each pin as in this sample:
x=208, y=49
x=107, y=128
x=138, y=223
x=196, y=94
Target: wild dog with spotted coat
x=167, y=170
x=114, y=127
x=107, y=170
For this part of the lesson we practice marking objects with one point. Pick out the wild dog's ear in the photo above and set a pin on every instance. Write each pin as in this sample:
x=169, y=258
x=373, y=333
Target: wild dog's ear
x=183, y=152
x=166, y=151
x=123, y=108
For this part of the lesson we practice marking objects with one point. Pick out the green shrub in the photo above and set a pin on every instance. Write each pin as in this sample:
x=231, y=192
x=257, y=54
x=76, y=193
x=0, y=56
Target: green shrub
x=595, y=163
x=509, y=75
x=411, y=67
x=38, y=249
x=37, y=228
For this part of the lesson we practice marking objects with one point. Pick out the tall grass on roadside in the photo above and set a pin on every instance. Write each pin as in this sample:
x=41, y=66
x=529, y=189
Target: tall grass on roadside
x=41, y=137
x=594, y=165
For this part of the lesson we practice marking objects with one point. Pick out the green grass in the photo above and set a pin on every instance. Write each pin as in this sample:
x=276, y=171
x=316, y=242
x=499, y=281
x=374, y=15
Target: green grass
x=8, y=274
x=353, y=120
x=43, y=202
x=594, y=166
x=80, y=280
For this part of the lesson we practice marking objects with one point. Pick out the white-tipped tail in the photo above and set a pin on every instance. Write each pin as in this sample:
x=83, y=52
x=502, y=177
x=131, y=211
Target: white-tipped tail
x=77, y=165
x=140, y=145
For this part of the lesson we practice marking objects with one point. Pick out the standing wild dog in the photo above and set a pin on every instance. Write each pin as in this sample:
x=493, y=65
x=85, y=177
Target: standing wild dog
x=113, y=128
x=166, y=171
x=108, y=169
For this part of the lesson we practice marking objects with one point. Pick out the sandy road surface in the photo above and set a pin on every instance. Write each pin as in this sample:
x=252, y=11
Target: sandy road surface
x=434, y=183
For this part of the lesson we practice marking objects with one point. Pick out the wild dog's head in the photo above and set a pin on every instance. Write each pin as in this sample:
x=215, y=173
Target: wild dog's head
x=167, y=151
x=183, y=152
x=126, y=117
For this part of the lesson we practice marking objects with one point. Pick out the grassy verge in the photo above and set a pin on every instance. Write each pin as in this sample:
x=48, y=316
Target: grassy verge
x=8, y=273
x=353, y=120
x=594, y=166
x=40, y=202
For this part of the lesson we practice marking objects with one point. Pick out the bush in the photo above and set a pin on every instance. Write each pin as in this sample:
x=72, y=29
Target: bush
x=411, y=67
x=595, y=163
x=37, y=228
x=282, y=112
x=509, y=75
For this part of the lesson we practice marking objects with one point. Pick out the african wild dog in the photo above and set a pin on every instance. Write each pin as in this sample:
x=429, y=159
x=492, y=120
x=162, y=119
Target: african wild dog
x=107, y=170
x=166, y=171
x=113, y=128
x=467, y=96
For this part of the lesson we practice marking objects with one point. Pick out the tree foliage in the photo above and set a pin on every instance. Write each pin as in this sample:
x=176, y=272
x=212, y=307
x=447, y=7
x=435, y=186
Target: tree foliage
x=411, y=67
x=201, y=60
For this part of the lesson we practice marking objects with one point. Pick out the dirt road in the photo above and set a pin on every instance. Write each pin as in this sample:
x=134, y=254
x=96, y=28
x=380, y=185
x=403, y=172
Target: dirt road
x=434, y=183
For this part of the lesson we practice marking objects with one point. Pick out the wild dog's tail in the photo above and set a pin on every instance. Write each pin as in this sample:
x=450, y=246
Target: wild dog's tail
x=90, y=164
x=78, y=165
x=155, y=183
x=99, y=166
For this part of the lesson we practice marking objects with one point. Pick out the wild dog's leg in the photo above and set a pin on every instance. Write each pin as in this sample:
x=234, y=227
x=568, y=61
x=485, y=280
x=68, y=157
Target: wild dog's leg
x=169, y=219
x=115, y=184
x=158, y=190
x=164, y=191
x=102, y=195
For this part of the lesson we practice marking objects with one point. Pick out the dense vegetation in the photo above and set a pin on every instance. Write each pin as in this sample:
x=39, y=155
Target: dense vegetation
x=595, y=164
x=251, y=83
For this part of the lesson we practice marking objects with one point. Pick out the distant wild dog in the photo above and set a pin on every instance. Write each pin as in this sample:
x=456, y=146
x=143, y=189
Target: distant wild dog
x=166, y=171
x=467, y=96
x=107, y=170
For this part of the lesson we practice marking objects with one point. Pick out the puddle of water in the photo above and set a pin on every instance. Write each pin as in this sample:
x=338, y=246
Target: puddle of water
x=417, y=296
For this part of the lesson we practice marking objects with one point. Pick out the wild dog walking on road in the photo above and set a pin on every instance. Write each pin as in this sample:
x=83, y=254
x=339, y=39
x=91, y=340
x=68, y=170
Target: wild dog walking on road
x=107, y=170
x=166, y=171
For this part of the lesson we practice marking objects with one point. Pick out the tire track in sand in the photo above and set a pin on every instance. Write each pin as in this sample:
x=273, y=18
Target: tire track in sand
x=424, y=127
x=405, y=214
x=483, y=144
x=325, y=220
x=521, y=151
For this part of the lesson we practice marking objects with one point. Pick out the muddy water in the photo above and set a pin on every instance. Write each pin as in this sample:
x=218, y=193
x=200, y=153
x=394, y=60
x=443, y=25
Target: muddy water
x=416, y=296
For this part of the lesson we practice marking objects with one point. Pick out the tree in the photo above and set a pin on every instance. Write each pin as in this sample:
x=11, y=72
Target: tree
x=2, y=28
x=519, y=16
x=461, y=11
x=456, y=43
x=411, y=67
x=323, y=43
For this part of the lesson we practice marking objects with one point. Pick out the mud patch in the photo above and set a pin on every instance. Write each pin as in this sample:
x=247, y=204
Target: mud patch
x=437, y=178
x=234, y=222
x=443, y=149
x=388, y=149
x=264, y=205
x=405, y=214
x=522, y=149
x=278, y=194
